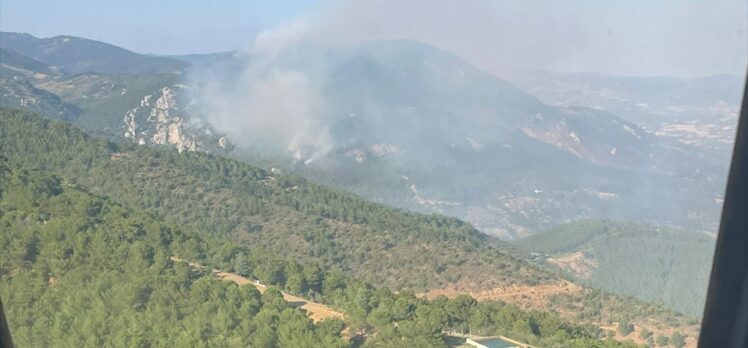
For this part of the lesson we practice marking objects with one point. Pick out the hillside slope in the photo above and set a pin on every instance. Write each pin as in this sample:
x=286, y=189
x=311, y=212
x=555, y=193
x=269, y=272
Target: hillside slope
x=290, y=218
x=81, y=270
x=17, y=91
x=13, y=62
x=150, y=109
x=19, y=79
x=284, y=214
x=77, y=270
x=76, y=55
x=413, y=126
x=654, y=264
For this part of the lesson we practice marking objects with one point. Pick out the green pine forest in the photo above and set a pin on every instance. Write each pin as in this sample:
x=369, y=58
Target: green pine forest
x=656, y=263
x=89, y=226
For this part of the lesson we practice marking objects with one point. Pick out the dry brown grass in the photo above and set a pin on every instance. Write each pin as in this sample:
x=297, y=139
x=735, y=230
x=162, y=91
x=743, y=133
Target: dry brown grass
x=526, y=296
x=576, y=263
x=538, y=297
x=691, y=332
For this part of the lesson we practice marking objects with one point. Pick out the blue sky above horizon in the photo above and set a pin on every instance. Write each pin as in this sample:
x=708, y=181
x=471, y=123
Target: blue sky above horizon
x=633, y=37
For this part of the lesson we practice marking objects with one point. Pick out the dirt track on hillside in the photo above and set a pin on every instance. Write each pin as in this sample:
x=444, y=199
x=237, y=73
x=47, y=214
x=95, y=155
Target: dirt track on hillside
x=316, y=311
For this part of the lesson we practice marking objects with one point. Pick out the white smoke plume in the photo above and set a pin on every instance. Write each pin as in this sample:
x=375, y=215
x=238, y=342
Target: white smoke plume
x=257, y=97
x=255, y=101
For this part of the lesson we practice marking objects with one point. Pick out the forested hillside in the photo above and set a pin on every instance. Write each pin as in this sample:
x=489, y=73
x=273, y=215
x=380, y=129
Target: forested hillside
x=655, y=264
x=285, y=215
x=81, y=270
x=290, y=218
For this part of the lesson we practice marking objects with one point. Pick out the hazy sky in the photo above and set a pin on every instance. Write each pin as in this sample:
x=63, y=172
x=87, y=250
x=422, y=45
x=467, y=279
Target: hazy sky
x=152, y=26
x=621, y=37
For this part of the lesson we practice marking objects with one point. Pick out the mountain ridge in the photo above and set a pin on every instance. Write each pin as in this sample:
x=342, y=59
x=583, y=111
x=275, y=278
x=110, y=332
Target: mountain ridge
x=77, y=55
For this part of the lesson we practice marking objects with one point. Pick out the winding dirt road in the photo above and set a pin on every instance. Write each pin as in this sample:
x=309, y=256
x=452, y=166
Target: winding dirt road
x=316, y=311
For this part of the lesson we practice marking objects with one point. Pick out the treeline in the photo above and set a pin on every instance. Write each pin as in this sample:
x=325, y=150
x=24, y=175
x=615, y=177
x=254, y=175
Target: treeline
x=81, y=270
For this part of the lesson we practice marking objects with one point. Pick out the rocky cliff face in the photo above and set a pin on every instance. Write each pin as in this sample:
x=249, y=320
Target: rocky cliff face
x=148, y=109
x=159, y=120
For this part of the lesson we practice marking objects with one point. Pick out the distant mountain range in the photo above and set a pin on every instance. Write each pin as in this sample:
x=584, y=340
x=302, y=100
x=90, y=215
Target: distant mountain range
x=75, y=55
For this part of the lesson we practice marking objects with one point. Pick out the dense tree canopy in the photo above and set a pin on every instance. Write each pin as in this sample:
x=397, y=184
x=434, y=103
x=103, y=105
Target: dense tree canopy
x=656, y=264
x=82, y=270
x=88, y=227
x=79, y=270
x=283, y=214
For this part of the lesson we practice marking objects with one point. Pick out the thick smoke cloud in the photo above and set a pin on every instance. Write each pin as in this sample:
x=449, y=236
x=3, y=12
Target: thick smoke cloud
x=257, y=97
x=255, y=101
